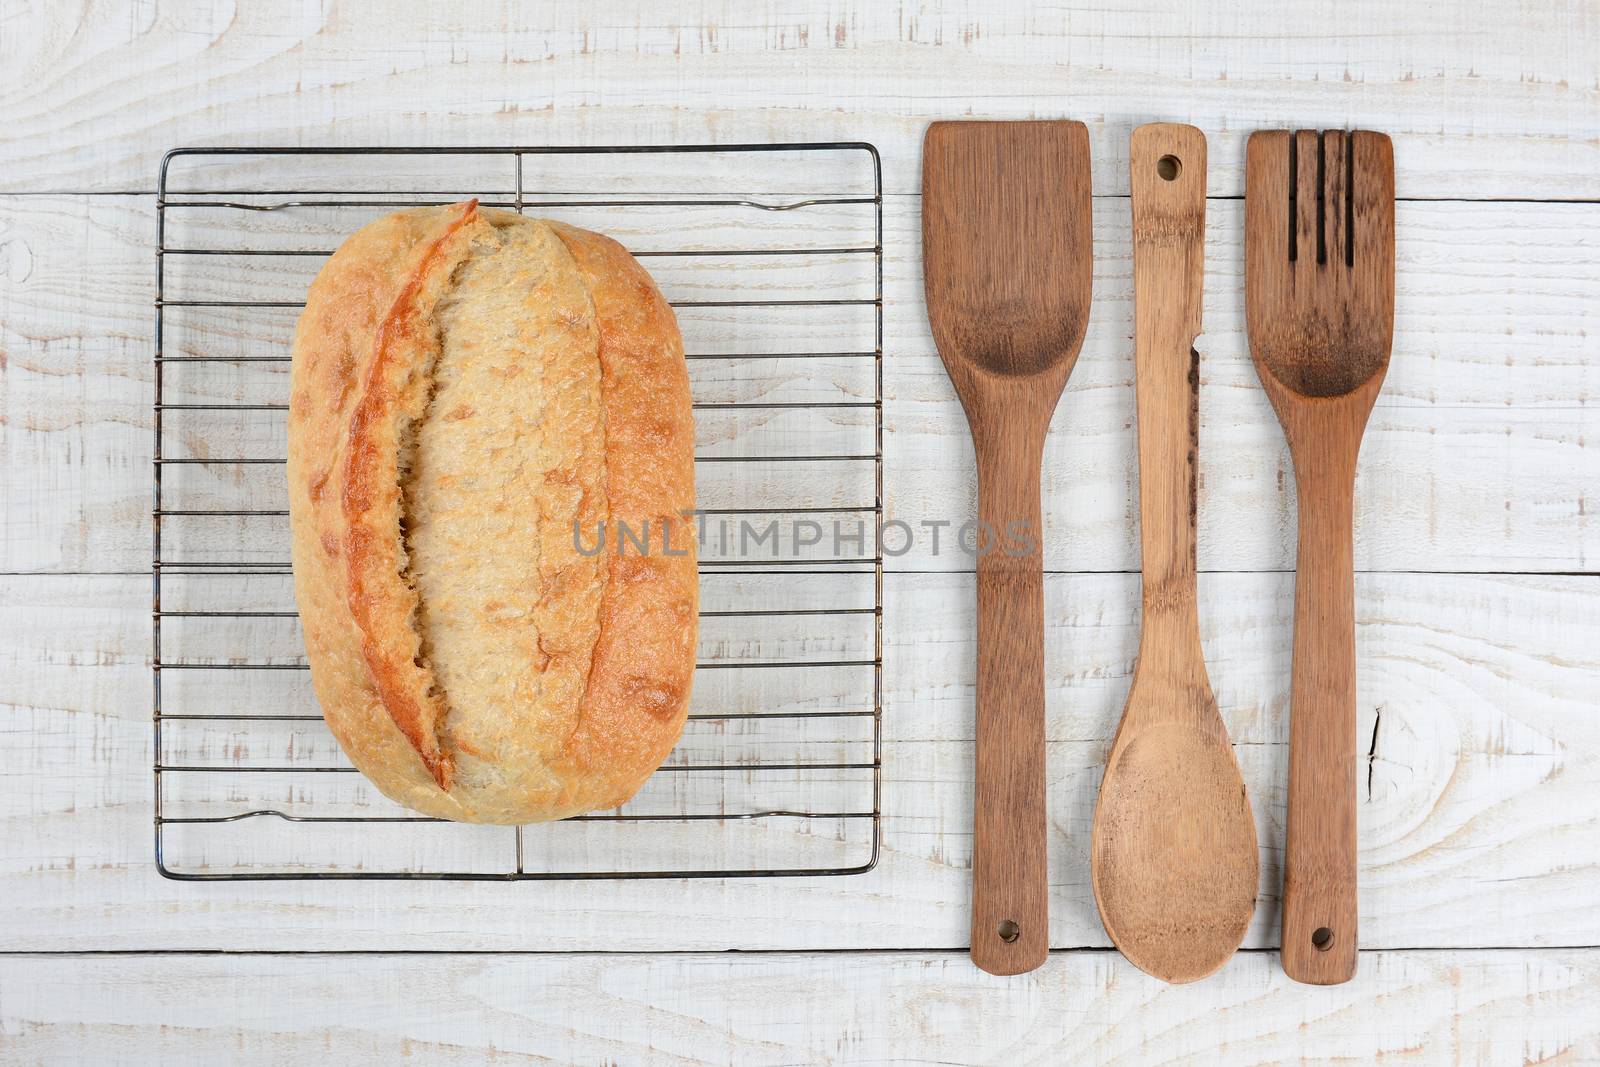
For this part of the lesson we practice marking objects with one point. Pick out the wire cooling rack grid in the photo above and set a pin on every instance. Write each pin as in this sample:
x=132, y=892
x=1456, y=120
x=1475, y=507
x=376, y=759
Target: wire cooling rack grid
x=773, y=257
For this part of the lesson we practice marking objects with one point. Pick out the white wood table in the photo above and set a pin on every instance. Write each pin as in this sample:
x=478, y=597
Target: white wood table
x=1478, y=599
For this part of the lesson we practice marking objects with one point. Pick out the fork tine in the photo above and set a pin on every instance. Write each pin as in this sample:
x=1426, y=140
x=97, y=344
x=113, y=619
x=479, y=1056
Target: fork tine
x=1266, y=206
x=1335, y=196
x=1372, y=209
x=1308, y=191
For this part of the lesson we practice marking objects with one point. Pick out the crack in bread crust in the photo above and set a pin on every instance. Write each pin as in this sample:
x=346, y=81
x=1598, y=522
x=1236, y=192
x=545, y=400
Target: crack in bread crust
x=378, y=580
x=512, y=607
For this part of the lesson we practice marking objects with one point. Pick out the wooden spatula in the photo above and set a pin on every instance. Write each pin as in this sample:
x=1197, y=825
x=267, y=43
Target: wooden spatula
x=1007, y=261
x=1319, y=304
x=1174, y=854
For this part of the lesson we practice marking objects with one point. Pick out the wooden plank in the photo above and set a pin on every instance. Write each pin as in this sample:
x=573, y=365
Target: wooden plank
x=1477, y=458
x=1413, y=1007
x=1424, y=686
x=93, y=104
x=1479, y=810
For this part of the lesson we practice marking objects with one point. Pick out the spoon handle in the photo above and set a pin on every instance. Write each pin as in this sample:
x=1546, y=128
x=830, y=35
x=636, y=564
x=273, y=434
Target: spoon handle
x=1319, y=878
x=1168, y=173
x=1010, y=920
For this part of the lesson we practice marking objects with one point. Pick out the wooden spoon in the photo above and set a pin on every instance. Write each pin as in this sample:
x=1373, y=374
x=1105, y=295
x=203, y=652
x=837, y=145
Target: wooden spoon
x=1319, y=303
x=1174, y=858
x=1007, y=260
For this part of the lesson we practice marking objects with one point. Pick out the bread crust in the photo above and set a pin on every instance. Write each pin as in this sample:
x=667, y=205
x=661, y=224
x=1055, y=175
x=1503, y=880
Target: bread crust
x=470, y=659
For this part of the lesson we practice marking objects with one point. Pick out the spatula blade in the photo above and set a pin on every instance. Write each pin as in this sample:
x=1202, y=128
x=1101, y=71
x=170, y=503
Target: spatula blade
x=1006, y=243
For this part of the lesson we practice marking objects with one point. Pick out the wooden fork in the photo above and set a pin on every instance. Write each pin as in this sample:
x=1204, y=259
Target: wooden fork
x=1319, y=305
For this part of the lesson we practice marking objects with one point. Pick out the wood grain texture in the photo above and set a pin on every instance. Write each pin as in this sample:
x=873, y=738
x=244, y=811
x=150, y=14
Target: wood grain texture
x=94, y=95
x=1007, y=264
x=1319, y=299
x=1478, y=813
x=1173, y=858
x=1490, y=1008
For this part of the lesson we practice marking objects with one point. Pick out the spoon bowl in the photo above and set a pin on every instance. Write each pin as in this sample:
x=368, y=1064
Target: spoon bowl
x=1172, y=803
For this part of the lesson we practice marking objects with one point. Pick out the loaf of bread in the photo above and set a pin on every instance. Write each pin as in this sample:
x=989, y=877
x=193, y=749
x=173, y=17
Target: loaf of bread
x=478, y=402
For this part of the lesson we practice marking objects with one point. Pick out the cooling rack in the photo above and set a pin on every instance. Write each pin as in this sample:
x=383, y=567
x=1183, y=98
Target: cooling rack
x=772, y=256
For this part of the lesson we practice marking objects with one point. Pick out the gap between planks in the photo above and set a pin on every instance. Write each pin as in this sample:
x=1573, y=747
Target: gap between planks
x=924, y=570
x=1577, y=200
x=1097, y=950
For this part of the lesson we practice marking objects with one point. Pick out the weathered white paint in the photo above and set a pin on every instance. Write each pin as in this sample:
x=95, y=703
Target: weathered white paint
x=1492, y=1008
x=1487, y=97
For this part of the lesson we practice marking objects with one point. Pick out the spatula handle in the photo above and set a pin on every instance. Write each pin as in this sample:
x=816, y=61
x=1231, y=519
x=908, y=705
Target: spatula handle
x=1319, y=878
x=1010, y=919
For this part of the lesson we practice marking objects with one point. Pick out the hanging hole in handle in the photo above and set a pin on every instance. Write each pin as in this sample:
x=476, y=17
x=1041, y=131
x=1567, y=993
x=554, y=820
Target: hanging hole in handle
x=1009, y=931
x=1168, y=168
x=1322, y=939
